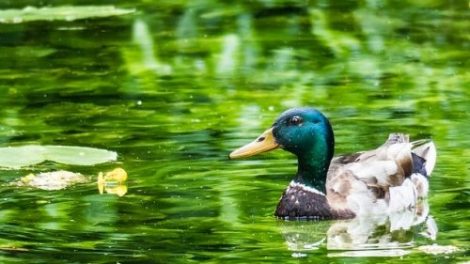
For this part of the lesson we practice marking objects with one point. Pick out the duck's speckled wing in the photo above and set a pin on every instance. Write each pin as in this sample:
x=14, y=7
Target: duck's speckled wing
x=383, y=179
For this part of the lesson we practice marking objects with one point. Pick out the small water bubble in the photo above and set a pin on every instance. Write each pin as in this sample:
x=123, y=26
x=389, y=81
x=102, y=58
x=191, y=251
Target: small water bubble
x=139, y=102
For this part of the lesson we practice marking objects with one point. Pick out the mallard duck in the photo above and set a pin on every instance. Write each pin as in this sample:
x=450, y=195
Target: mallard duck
x=388, y=179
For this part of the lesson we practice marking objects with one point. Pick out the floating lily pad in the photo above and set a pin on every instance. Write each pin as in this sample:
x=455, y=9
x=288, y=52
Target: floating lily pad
x=21, y=156
x=65, y=13
x=79, y=155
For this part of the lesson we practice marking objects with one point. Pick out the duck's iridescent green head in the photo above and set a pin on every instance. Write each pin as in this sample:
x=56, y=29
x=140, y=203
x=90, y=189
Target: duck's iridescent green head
x=297, y=130
x=305, y=132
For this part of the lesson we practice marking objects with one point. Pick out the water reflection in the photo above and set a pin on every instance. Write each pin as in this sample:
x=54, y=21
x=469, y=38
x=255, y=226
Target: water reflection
x=379, y=235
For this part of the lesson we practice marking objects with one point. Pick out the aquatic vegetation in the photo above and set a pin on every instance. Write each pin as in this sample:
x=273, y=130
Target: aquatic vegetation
x=66, y=13
x=51, y=181
x=112, y=182
x=21, y=156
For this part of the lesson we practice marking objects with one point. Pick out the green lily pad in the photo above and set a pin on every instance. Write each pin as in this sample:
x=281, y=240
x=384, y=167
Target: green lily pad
x=21, y=156
x=65, y=13
x=16, y=157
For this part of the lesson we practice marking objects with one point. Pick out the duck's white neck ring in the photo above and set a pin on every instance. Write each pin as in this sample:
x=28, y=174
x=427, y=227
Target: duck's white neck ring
x=294, y=184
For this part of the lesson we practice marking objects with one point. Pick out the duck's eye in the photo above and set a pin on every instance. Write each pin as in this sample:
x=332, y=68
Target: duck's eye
x=296, y=120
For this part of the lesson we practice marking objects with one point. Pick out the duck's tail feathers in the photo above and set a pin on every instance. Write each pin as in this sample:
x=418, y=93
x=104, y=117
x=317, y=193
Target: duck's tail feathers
x=424, y=156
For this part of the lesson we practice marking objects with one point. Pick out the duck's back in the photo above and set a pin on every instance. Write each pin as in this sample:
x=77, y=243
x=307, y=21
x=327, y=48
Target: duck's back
x=390, y=178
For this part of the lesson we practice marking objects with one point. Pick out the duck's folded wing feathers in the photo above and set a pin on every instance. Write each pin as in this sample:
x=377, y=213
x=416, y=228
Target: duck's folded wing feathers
x=375, y=176
x=385, y=166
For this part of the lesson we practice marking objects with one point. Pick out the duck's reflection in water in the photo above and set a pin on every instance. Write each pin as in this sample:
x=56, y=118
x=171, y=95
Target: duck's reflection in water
x=378, y=235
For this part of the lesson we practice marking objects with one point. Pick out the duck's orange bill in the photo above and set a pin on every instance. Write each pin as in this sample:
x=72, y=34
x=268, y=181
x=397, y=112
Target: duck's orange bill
x=265, y=142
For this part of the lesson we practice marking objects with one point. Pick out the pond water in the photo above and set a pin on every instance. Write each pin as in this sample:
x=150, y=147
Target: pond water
x=176, y=85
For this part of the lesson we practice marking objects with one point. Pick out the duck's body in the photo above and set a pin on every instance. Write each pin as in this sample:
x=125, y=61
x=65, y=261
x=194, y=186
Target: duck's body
x=390, y=178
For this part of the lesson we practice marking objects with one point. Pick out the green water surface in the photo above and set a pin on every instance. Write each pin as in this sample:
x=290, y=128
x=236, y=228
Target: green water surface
x=176, y=85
